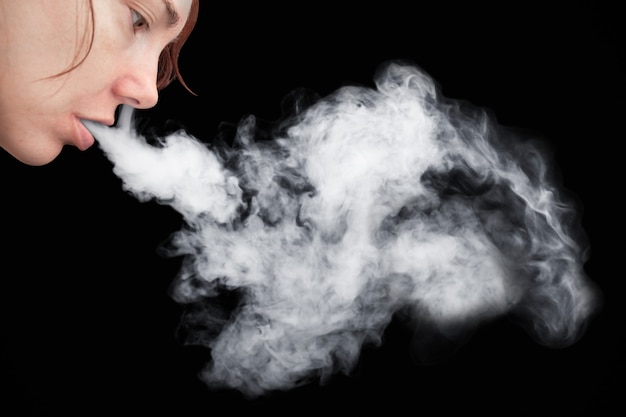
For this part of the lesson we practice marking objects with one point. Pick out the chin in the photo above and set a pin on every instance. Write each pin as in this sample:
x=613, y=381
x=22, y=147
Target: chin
x=38, y=157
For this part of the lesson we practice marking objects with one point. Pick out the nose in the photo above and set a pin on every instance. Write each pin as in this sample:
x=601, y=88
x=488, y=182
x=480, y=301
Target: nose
x=137, y=85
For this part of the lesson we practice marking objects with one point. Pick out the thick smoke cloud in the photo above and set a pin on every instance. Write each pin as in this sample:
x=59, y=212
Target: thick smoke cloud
x=302, y=241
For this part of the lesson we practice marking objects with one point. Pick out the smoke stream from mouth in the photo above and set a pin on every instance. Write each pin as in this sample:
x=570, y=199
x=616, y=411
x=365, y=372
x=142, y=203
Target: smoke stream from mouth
x=368, y=203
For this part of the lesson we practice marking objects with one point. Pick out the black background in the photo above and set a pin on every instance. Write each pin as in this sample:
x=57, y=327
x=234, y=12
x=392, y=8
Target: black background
x=88, y=327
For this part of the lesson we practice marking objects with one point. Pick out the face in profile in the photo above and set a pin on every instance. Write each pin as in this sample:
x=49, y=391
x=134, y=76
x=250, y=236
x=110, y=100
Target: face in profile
x=63, y=62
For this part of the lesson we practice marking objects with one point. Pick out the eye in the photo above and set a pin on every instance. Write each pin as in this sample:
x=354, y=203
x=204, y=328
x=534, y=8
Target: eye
x=139, y=22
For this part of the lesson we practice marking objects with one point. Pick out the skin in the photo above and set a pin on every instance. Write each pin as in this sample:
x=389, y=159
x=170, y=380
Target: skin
x=40, y=112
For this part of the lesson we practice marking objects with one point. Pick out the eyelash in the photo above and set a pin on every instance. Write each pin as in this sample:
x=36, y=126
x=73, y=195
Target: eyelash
x=138, y=21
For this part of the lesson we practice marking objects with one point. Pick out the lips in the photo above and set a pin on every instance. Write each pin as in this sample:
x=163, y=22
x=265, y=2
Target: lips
x=83, y=138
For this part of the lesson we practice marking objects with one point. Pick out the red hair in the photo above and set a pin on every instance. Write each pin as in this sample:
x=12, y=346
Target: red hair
x=168, y=61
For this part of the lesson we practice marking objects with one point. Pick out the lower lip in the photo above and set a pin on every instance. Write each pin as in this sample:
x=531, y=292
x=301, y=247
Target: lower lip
x=84, y=139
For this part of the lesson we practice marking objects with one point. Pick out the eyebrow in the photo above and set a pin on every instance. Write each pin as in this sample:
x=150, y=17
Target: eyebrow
x=172, y=15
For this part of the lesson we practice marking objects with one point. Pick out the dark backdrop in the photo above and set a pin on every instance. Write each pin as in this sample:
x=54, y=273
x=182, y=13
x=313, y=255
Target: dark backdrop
x=88, y=327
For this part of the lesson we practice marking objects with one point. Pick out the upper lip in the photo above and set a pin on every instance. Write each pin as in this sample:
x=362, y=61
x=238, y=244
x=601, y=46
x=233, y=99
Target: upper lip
x=105, y=121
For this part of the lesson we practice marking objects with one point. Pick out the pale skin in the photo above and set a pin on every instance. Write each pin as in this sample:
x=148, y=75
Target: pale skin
x=40, y=112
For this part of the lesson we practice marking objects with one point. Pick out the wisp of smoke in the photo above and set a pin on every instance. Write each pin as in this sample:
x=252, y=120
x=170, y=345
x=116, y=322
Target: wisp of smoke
x=367, y=203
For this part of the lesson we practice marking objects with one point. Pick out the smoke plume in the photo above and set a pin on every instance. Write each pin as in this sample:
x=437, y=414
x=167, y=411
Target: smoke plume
x=302, y=241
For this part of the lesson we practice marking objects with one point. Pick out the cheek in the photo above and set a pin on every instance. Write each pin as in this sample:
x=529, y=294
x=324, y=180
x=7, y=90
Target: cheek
x=97, y=73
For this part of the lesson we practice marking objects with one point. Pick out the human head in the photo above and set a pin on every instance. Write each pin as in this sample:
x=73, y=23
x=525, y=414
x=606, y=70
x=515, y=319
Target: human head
x=63, y=62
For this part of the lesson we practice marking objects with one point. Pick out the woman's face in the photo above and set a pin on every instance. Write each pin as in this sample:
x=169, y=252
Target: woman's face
x=41, y=113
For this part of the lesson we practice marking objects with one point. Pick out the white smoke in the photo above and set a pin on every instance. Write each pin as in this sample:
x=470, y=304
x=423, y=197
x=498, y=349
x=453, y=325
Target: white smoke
x=368, y=203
